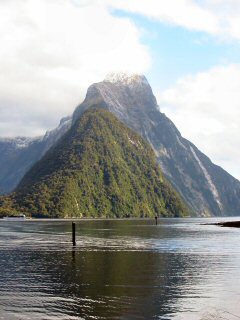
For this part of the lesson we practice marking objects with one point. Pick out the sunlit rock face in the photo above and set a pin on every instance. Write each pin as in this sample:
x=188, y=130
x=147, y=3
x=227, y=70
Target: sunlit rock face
x=128, y=97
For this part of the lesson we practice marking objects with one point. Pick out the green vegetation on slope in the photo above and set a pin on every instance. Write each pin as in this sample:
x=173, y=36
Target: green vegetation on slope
x=100, y=168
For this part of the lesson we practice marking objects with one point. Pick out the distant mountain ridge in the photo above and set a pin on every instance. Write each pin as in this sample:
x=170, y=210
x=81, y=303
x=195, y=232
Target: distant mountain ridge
x=207, y=188
x=17, y=155
x=99, y=168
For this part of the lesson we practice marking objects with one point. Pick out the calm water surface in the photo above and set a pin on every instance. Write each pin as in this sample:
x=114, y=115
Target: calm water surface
x=179, y=269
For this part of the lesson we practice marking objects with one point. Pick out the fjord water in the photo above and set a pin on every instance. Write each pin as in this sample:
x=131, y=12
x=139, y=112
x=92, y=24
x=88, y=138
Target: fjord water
x=122, y=269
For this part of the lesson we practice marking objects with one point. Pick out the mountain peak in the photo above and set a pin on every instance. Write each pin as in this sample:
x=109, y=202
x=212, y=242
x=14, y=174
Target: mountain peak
x=126, y=78
x=124, y=94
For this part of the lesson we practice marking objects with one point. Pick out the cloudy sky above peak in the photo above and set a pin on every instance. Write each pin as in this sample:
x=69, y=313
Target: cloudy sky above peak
x=52, y=50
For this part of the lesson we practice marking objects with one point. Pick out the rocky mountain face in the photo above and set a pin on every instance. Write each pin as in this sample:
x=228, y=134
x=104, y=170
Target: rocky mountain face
x=17, y=155
x=207, y=188
x=100, y=168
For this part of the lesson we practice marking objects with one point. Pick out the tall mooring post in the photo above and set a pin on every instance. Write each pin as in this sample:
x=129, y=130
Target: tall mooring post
x=74, y=234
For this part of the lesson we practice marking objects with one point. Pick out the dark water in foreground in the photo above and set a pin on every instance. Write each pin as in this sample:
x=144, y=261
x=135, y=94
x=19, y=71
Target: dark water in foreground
x=119, y=270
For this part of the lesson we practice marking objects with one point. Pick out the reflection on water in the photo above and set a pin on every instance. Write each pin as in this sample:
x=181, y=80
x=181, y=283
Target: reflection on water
x=179, y=269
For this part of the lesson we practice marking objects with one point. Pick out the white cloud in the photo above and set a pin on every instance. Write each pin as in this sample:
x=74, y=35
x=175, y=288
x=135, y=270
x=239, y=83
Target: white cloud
x=216, y=17
x=206, y=109
x=51, y=50
x=184, y=13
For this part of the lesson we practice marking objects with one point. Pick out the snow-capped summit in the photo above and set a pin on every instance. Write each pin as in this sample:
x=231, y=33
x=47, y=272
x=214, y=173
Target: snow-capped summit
x=19, y=142
x=126, y=78
x=124, y=94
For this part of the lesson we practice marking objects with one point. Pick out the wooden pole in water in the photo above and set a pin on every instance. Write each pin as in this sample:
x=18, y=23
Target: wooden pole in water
x=156, y=220
x=74, y=234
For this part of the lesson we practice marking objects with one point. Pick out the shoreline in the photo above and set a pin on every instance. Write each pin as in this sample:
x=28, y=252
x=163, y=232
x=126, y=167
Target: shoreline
x=87, y=219
x=229, y=224
x=233, y=224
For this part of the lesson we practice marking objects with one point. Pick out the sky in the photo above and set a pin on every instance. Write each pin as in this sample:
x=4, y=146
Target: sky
x=189, y=50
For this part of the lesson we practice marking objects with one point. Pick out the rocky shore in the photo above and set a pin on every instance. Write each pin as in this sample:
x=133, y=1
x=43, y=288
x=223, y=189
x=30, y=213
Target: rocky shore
x=231, y=224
